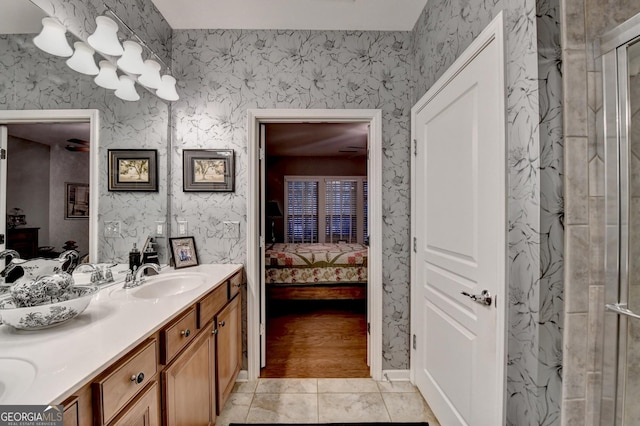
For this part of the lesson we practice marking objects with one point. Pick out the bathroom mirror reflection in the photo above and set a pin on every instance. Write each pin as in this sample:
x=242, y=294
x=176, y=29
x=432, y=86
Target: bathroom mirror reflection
x=49, y=165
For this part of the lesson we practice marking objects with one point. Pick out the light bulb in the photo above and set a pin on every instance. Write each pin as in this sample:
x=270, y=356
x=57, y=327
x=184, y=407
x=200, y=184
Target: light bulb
x=105, y=37
x=52, y=39
x=131, y=60
x=127, y=89
x=107, y=77
x=167, y=89
x=151, y=75
x=82, y=59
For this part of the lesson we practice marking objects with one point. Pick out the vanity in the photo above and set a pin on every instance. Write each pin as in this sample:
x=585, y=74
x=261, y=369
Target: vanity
x=166, y=352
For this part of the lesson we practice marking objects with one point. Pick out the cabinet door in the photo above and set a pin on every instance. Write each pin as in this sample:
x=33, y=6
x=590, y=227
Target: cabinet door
x=144, y=412
x=229, y=349
x=189, y=384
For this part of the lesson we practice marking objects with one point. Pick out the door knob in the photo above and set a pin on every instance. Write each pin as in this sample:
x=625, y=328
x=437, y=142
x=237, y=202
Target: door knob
x=484, y=298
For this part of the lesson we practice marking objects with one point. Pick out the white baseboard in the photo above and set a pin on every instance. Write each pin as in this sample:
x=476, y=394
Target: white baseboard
x=396, y=375
x=243, y=376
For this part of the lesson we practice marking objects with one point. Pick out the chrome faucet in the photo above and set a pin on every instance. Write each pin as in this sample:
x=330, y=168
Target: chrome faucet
x=98, y=275
x=137, y=278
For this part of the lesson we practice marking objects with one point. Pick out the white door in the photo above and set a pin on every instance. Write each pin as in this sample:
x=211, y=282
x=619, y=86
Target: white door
x=459, y=228
x=263, y=235
x=3, y=187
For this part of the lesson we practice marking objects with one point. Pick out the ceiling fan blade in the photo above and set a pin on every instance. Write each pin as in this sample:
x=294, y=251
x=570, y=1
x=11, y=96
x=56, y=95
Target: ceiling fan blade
x=77, y=148
x=78, y=141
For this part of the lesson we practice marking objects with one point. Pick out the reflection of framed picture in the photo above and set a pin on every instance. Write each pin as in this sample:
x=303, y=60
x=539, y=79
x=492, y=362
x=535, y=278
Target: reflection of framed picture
x=133, y=170
x=208, y=170
x=77, y=201
x=183, y=252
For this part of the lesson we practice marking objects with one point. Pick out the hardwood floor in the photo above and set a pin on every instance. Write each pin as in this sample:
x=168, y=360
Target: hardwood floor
x=317, y=339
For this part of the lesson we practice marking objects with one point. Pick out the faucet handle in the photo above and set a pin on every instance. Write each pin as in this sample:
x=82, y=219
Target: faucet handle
x=129, y=276
x=108, y=274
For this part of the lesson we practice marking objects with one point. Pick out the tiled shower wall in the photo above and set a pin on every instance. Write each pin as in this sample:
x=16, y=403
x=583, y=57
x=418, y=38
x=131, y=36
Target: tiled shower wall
x=587, y=397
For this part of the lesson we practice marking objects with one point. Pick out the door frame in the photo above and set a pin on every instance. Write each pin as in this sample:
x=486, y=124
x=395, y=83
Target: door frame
x=256, y=117
x=494, y=31
x=92, y=116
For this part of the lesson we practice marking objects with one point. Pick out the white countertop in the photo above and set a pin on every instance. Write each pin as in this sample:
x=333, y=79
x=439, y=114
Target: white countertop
x=47, y=366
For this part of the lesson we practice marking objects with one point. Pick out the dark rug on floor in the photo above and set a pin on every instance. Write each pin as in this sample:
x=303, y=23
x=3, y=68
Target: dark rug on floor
x=331, y=424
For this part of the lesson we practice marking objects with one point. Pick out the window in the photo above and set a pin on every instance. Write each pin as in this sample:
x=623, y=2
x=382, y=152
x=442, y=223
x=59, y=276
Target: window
x=302, y=211
x=326, y=209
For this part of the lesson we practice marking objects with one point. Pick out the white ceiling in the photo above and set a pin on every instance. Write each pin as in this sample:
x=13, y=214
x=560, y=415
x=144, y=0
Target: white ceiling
x=383, y=15
x=50, y=133
x=22, y=17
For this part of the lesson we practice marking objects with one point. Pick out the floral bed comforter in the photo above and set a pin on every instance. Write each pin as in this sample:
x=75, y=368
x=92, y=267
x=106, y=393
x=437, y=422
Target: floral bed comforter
x=316, y=263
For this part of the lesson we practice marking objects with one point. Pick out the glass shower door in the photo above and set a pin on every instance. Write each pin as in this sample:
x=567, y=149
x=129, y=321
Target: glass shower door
x=621, y=75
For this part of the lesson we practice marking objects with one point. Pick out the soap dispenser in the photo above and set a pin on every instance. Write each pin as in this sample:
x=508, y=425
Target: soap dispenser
x=134, y=258
x=150, y=256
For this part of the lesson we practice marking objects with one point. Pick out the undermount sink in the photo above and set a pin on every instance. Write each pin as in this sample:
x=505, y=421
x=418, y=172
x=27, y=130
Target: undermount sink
x=16, y=375
x=165, y=285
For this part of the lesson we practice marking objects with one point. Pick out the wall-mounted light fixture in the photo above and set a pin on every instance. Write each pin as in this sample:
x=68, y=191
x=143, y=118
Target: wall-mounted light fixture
x=52, y=39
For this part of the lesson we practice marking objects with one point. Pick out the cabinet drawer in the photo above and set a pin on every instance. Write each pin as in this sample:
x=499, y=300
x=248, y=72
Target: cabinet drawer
x=128, y=378
x=235, y=282
x=145, y=411
x=71, y=415
x=211, y=304
x=178, y=335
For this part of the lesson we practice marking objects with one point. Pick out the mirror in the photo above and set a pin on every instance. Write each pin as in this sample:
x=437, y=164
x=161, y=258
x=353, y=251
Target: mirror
x=48, y=210
x=34, y=80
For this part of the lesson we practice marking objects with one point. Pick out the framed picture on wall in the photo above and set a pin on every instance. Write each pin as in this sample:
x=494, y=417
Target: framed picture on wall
x=133, y=170
x=183, y=252
x=77, y=201
x=207, y=170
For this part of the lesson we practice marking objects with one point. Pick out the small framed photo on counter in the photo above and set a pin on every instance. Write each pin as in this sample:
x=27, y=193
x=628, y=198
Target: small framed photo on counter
x=208, y=170
x=133, y=170
x=183, y=252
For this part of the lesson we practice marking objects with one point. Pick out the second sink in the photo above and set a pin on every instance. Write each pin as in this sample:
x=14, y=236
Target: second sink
x=166, y=285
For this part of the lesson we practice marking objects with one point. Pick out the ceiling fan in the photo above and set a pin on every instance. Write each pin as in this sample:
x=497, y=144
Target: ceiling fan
x=80, y=145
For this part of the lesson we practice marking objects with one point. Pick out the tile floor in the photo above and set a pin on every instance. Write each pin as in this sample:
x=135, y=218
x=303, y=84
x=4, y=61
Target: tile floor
x=325, y=401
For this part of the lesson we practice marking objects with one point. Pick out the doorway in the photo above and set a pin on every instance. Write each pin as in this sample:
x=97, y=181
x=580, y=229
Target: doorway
x=259, y=231
x=316, y=250
x=77, y=196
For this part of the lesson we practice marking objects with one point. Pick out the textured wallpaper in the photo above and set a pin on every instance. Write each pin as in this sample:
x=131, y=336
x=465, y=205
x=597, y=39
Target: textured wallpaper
x=551, y=304
x=223, y=73
x=443, y=31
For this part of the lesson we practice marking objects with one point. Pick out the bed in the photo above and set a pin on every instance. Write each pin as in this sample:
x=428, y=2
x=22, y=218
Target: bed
x=316, y=271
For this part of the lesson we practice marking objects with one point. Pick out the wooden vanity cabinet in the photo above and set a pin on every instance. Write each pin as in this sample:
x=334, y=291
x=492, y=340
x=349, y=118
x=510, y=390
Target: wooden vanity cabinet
x=188, y=383
x=144, y=411
x=229, y=349
x=121, y=383
x=182, y=374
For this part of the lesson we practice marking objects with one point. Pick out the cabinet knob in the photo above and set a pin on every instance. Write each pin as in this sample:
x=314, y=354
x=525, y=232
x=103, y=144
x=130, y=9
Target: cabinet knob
x=186, y=333
x=215, y=331
x=221, y=323
x=137, y=379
